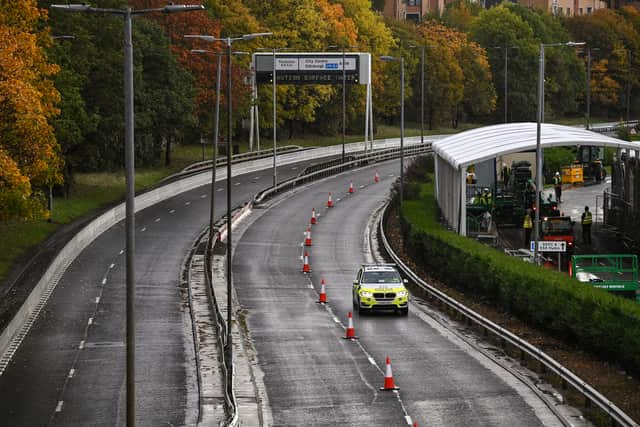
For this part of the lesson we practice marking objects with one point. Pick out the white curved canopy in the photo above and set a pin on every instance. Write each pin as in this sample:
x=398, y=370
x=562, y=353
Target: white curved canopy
x=477, y=145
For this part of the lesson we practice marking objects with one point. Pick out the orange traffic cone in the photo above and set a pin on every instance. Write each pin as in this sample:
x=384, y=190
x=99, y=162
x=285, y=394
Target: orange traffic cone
x=350, y=187
x=351, y=332
x=388, y=378
x=323, y=294
x=313, y=216
x=306, y=268
x=376, y=178
x=307, y=237
x=330, y=202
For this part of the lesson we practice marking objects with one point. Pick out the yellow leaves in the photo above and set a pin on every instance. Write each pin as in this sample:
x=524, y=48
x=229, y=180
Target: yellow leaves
x=29, y=153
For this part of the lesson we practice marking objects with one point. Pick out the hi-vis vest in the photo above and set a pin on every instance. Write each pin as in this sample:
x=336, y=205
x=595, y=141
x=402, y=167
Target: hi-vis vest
x=586, y=218
x=557, y=180
x=527, y=222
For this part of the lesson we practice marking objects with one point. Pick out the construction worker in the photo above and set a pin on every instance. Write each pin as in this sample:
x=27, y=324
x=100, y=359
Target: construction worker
x=586, y=225
x=528, y=226
x=557, y=184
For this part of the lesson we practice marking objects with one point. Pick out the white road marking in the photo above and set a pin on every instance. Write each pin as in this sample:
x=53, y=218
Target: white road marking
x=337, y=200
x=143, y=229
x=391, y=174
x=294, y=168
x=71, y=373
x=373, y=362
x=203, y=196
x=81, y=346
x=187, y=203
x=59, y=407
x=255, y=178
x=121, y=251
x=157, y=220
x=90, y=321
x=220, y=189
x=104, y=281
x=172, y=211
x=362, y=186
x=335, y=319
x=97, y=300
x=310, y=286
x=236, y=184
x=408, y=420
x=112, y=265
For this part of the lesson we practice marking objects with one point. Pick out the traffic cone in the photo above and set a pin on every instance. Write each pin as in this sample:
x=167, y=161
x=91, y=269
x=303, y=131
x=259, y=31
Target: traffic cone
x=313, y=216
x=306, y=268
x=351, y=332
x=388, y=379
x=323, y=294
x=350, y=187
x=330, y=202
x=376, y=178
x=307, y=237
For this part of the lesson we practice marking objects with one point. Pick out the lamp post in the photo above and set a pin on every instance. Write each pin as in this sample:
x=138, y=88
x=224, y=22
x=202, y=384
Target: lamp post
x=506, y=77
x=588, y=118
x=422, y=48
x=127, y=14
x=275, y=112
x=540, y=119
x=628, y=96
x=344, y=93
x=219, y=56
x=401, y=60
x=229, y=41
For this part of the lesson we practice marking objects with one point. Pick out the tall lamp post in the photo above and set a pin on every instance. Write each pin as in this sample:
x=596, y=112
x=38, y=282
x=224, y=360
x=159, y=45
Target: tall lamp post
x=344, y=92
x=401, y=60
x=275, y=111
x=540, y=119
x=422, y=48
x=588, y=118
x=506, y=78
x=127, y=14
x=229, y=41
x=219, y=56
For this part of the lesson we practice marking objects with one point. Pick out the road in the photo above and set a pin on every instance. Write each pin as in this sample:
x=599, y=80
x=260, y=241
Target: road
x=70, y=369
x=313, y=375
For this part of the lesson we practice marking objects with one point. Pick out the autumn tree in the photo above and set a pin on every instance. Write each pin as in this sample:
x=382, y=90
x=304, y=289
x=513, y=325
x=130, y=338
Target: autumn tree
x=29, y=153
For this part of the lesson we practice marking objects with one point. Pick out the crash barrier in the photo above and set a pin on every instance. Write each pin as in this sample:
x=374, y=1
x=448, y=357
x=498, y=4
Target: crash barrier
x=613, y=129
x=545, y=298
x=205, y=165
x=359, y=160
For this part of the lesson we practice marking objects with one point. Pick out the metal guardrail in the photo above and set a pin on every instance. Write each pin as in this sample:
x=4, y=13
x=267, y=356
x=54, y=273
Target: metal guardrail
x=611, y=129
x=359, y=159
x=205, y=165
x=616, y=414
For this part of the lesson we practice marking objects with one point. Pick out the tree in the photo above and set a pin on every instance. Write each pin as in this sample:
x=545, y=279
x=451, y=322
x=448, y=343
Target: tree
x=29, y=153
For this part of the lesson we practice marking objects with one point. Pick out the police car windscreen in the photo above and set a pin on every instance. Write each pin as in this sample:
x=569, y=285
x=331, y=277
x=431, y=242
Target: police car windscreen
x=381, y=277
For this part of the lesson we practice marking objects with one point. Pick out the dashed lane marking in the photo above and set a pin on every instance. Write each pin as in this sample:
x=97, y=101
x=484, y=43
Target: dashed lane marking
x=59, y=406
x=90, y=321
x=71, y=373
x=220, y=189
x=373, y=362
x=236, y=184
x=172, y=211
x=121, y=251
x=362, y=186
x=203, y=196
x=97, y=300
x=104, y=281
x=157, y=220
x=143, y=229
x=112, y=265
x=81, y=346
x=187, y=203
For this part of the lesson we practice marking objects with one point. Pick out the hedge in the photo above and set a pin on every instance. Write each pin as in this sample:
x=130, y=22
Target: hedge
x=585, y=317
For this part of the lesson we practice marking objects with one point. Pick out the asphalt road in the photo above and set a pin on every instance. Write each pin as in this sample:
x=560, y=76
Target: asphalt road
x=311, y=374
x=70, y=369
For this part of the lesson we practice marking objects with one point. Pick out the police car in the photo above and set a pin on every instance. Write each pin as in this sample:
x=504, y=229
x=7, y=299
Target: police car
x=380, y=287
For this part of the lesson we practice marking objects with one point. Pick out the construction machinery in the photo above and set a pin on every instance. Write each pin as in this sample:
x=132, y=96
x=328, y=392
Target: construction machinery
x=615, y=273
x=588, y=166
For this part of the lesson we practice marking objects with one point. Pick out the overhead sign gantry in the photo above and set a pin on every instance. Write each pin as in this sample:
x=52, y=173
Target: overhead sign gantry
x=313, y=68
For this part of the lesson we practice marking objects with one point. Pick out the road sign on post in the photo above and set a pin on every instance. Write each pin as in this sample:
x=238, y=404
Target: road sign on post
x=549, y=246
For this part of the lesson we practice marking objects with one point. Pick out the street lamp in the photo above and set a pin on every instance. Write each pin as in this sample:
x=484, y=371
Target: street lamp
x=506, y=78
x=275, y=111
x=589, y=50
x=219, y=56
x=401, y=59
x=540, y=119
x=344, y=92
x=228, y=41
x=127, y=14
x=422, y=48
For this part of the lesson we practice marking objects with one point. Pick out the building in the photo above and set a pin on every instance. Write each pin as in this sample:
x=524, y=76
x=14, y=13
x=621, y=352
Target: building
x=411, y=10
x=566, y=7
